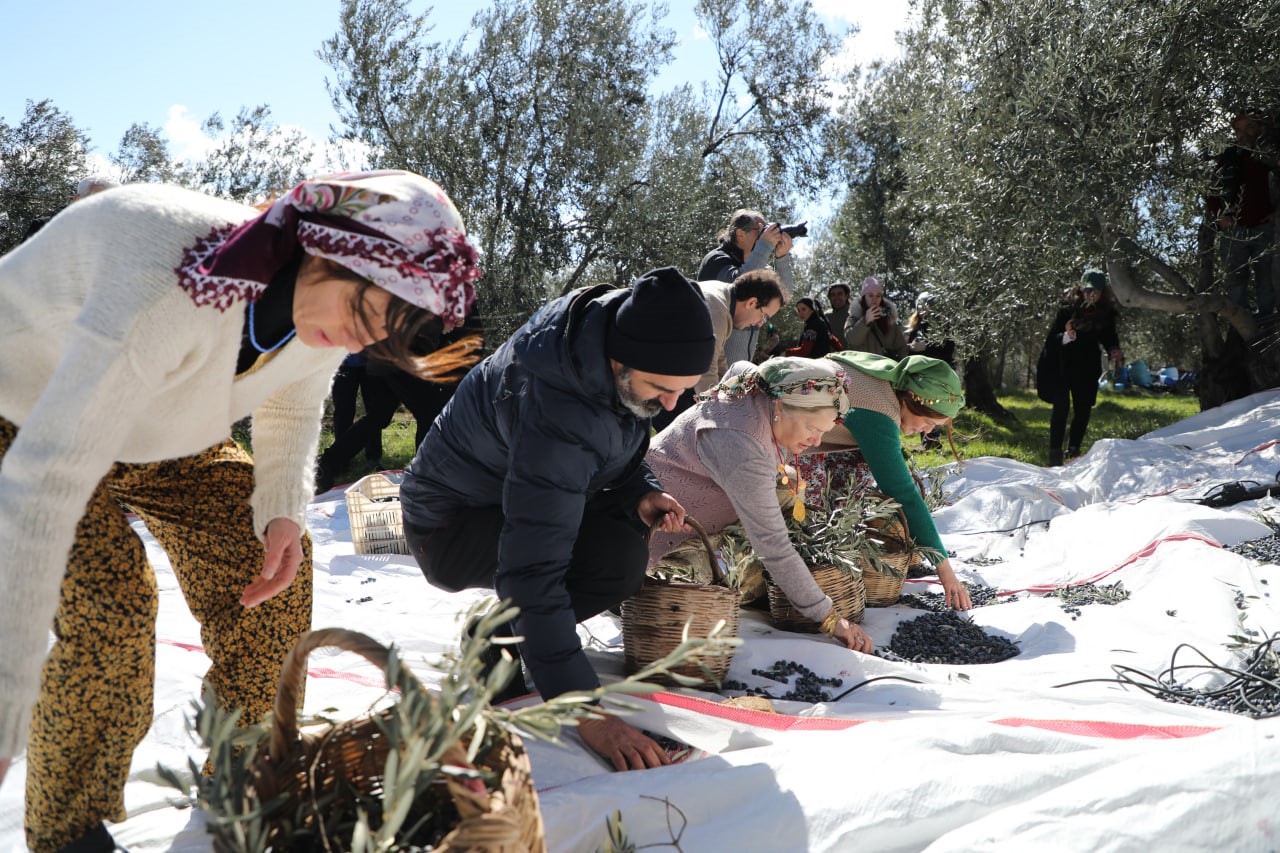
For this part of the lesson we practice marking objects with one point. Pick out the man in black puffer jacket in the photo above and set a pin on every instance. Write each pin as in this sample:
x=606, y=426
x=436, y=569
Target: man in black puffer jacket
x=533, y=481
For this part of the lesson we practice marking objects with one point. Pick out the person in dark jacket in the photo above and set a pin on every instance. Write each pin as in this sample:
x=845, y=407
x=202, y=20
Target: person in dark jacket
x=816, y=340
x=1245, y=214
x=746, y=244
x=533, y=479
x=1082, y=329
x=838, y=296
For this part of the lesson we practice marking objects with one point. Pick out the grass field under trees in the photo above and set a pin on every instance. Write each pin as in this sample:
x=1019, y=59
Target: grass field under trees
x=1127, y=414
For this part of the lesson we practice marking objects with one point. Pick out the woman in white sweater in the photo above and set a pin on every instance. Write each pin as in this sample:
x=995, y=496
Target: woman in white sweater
x=135, y=329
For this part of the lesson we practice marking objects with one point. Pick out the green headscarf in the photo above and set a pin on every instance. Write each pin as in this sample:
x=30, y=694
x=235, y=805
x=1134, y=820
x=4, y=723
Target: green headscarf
x=803, y=383
x=929, y=380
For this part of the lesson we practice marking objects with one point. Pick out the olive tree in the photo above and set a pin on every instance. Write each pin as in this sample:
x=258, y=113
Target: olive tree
x=42, y=156
x=253, y=159
x=143, y=156
x=1043, y=136
x=542, y=125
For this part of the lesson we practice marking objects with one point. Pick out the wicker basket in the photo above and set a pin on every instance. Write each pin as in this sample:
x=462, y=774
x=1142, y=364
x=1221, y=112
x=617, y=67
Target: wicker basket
x=883, y=588
x=347, y=760
x=373, y=505
x=847, y=594
x=654, y=619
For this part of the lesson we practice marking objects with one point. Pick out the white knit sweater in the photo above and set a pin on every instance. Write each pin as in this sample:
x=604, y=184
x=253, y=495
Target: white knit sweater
x=105, y=358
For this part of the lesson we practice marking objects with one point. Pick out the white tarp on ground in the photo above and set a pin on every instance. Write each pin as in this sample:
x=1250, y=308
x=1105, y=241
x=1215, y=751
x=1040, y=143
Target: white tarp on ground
x=969, y=758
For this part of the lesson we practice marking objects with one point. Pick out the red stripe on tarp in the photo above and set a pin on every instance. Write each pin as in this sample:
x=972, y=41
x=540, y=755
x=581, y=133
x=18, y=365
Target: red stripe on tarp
x=762, y=719
x=784, y=722
x=1258, y=449
x=1146, y=551
x=186, y=647
x=364, y=680
x=1108, y=729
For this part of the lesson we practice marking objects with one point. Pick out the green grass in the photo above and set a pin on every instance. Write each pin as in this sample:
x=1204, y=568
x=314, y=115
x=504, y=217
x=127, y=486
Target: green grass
x=397, y=446
x=1117, y=415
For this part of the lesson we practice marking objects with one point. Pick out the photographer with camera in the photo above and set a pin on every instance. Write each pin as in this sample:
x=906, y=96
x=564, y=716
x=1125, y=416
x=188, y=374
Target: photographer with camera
x=1068, y=374
x=746, y=244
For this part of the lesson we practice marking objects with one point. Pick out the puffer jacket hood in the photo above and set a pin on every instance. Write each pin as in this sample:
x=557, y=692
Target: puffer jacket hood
x=563, y=342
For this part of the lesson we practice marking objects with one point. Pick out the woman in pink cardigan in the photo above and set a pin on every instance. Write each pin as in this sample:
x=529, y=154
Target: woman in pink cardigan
x=722, y=457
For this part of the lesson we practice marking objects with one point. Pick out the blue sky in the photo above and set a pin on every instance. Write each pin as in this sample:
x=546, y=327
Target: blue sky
x=171, y=64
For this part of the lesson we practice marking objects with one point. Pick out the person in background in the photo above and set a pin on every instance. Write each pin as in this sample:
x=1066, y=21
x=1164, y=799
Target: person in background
x=386, y=387
x=139, y=326
x=721, y=460
x=746, y=244
x=1082, y=330
x=921, y=341
x=533, y=481
x=1245, y=214
x=816, y=339
x=838, y=316
x=93, y=185
x=873, y=323
x=85, y=188
x=747, y=303
x=353, y=379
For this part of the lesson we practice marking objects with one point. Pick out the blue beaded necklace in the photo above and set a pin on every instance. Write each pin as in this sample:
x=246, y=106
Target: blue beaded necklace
x=253, y=339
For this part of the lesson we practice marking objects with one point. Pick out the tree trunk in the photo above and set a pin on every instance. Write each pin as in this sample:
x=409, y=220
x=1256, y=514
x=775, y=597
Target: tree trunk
x=1246, y=361
x=979, y=394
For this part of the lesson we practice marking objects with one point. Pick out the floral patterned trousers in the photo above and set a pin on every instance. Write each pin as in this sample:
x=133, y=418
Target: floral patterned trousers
x=95, y=702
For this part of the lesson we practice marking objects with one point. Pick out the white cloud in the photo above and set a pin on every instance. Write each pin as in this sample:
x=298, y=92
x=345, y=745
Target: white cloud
x=187, y=139
x=879, y=22
x=98, y=164
x=840, y=10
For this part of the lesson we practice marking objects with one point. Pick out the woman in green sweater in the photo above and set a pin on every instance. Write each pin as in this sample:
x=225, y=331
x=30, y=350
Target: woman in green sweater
x=886, y=399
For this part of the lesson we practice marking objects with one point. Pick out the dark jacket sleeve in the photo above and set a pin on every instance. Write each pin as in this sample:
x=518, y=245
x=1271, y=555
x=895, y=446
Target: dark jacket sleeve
x=1107, y=335
x=543, y=498
x=625, y=495
x=718, y=266
x=1057, y=328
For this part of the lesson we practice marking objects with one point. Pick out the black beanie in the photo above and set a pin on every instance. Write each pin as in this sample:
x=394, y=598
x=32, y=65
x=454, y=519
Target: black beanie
x=663, y=327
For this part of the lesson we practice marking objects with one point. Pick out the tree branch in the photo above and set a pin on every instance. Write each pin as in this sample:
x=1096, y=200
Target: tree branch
x=1120, y=247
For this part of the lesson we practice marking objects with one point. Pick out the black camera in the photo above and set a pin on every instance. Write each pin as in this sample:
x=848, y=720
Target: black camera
x=800, y=229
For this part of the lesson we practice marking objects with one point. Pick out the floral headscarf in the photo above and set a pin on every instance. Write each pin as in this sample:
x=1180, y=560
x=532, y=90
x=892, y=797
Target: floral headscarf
x=802, y=383
x=394, y=228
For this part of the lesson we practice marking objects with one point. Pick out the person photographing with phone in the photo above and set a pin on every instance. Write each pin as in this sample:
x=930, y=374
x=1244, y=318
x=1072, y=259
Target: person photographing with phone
x=873, y=323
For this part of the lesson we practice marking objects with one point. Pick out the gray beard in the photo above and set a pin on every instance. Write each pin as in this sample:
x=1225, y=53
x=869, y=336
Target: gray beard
x=641, y=408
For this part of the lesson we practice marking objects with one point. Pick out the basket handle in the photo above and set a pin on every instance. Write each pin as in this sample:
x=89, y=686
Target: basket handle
x=717, y=573
x=284, y=724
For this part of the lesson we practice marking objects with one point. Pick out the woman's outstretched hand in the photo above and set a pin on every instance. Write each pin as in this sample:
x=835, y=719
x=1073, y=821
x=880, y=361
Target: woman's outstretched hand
x=283, y=555
x=854, y=637
x=957, y=594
